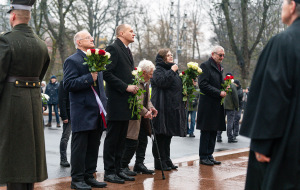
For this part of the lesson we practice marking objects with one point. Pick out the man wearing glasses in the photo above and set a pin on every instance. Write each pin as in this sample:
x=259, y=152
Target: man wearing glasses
x=86, y=122
x=211, y=117
x=271, y=118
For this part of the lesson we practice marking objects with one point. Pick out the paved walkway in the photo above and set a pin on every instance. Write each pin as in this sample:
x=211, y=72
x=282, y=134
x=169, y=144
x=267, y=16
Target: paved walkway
x=230, y=175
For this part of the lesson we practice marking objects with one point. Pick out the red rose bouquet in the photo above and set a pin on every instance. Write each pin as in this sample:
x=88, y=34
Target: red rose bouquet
x=97, y=59
x=226, y=86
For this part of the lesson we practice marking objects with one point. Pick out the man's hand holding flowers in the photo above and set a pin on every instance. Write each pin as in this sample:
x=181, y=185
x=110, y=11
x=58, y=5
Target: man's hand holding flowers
x=135, y=103
x=226, y=87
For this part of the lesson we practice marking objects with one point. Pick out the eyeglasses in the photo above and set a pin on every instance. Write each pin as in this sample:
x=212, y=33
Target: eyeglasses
x=219, y=54
x=87, y=38
x=169, y=55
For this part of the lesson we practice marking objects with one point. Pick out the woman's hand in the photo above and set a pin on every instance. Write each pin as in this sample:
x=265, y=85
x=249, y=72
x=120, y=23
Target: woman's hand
x=174, y=68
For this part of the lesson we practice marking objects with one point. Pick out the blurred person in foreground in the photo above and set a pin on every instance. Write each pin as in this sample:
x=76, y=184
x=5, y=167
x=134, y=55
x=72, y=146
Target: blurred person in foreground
x=211, y=114
x=24, y=61
x=167, y=99
x=272, y=115
x=138, y=130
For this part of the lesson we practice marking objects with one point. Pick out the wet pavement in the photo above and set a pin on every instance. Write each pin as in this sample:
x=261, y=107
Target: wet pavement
x=230, y=175
x=184, y=153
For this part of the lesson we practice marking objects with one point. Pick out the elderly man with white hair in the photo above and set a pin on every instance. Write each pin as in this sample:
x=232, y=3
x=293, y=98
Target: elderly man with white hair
x=86, y=122
x=136, y=139
x=211, y=115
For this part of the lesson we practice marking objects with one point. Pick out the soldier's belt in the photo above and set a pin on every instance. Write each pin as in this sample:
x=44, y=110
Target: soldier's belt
x=27, y=82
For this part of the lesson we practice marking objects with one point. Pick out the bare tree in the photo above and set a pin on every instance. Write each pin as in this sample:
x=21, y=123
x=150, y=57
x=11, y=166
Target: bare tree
x=59, y=9
x=245, y=22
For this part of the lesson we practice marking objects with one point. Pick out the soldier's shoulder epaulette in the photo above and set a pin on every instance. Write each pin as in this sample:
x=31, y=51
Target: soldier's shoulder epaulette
x=4, y=33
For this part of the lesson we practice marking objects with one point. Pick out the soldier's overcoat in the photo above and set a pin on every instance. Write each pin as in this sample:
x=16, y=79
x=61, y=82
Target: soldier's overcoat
x=22, y=145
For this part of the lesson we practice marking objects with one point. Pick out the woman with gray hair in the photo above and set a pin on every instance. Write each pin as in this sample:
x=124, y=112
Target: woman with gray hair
x=136, y=139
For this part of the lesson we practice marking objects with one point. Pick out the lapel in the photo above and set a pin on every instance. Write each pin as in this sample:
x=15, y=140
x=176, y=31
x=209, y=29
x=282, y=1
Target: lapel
x=122, y=46
x=80, y=52
x=85, y=68
x=214, y=65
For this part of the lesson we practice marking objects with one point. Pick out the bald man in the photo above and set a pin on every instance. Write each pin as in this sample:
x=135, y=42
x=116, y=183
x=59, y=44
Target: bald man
x=118, y=77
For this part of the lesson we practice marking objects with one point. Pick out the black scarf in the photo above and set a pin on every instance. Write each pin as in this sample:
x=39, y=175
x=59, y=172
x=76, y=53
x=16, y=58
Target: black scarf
x=160, y=62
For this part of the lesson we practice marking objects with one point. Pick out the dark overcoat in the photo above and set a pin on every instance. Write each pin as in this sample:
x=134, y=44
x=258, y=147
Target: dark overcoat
x=84, y=110
x=167, y=98
x=211, y=115
x=272, y=114
x=22, y=144
x=52, y=92
x=117, y=77
x=64, y=102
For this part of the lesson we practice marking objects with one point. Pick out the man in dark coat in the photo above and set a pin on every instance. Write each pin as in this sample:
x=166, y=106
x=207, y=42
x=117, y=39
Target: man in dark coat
x=24, y=60
x=211, y=116
x=231, y=103
x=272, y=113
x=52, y=92
x=87, y=124
x=238, y=112
x=64, y=106
x=118, y=77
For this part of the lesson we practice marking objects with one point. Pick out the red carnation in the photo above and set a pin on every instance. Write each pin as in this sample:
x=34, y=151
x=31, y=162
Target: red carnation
x=183, y=72
x=101, y=52
x=231, y=77
x=93, y=51
x=135, y=68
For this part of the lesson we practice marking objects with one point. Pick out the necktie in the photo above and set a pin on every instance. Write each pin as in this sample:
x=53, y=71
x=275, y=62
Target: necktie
x=130, y=55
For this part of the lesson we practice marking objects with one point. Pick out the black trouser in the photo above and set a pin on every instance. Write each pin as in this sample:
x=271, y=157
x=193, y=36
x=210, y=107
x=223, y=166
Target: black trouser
x=163, y=142
x=207, y=144
x=142, y=146
x=84, y=153
x=64, y=141
x=114, y=146
x=135, y=146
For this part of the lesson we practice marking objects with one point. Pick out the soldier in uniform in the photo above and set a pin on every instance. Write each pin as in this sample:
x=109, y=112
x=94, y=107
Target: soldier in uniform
x=24, y=60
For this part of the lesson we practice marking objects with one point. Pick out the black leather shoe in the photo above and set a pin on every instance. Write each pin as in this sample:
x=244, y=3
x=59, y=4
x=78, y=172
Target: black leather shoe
x=141, y=168
x=219, y=140
x=65, y=163
x=206, y=162
x=215, y=161
x=125, y=177
x=80, y=185
x=128, y=172
x=171, y=165
x=192, y=135
x=232, y=141
x=113, y=178
x=94, y=183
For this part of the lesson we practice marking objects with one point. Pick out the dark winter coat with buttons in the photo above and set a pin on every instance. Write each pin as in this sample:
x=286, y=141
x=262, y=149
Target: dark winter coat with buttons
x=52, y=92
